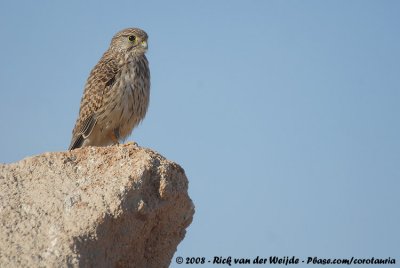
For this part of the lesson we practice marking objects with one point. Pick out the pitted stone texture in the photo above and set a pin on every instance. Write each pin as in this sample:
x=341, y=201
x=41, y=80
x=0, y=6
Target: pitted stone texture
x=118, y=206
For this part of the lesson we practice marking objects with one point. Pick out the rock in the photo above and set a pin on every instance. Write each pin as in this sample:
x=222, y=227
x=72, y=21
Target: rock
x=118, y=206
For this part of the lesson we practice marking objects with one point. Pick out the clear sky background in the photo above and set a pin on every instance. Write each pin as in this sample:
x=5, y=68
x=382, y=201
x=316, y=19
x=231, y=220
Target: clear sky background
x=284, y=114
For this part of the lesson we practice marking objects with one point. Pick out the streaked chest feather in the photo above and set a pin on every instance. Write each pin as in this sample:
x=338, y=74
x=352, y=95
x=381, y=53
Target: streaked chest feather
x=130, y=96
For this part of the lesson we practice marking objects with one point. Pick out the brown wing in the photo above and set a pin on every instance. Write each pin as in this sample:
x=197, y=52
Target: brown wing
x=100, y=79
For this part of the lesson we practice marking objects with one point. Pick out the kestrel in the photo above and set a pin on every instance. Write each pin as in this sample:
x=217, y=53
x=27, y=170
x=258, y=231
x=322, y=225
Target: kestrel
x=116, y=94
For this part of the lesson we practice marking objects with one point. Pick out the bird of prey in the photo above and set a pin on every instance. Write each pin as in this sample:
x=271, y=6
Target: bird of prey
x=116, y=94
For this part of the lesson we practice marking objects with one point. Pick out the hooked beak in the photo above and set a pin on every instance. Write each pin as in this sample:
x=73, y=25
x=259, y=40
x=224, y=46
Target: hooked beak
x=144, y=44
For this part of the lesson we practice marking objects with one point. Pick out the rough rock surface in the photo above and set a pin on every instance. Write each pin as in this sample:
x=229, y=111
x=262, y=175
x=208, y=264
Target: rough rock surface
x=118, y=206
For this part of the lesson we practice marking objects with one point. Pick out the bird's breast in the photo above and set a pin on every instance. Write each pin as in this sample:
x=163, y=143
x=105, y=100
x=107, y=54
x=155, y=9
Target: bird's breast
x=130, y=97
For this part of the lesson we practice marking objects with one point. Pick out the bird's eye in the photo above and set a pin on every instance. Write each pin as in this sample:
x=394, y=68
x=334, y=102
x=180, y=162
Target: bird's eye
x=132, y=38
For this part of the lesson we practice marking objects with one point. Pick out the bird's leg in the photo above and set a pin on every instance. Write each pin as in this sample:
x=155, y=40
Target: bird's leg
x=114, y=135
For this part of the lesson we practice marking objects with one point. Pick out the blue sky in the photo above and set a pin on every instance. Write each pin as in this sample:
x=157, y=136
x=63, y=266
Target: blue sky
x=284, y=114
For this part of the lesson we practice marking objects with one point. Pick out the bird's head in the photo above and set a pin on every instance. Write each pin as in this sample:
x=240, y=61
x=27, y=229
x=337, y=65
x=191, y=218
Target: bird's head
x=131, y=40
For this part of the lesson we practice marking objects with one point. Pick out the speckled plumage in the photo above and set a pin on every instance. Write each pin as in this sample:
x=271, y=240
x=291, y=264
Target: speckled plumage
x=116, y=94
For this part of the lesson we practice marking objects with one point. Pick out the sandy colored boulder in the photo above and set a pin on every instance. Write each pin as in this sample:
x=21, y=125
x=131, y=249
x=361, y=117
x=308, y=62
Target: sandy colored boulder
x=118, y=206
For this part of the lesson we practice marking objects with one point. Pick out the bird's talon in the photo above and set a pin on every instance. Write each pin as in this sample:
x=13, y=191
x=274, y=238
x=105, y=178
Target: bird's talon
x=134, y=143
